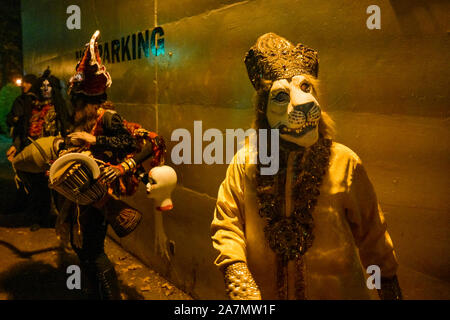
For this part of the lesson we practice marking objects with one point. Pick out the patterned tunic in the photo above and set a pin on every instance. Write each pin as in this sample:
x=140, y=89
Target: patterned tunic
x=42, y=121
x=350, y=231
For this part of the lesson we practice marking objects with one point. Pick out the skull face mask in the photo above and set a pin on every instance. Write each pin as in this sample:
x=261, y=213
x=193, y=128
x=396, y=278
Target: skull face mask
x=293, y=109
x=46, y=89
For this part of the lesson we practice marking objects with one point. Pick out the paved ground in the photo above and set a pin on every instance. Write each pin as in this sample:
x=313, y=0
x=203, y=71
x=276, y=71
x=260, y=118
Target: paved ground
x=33, y=266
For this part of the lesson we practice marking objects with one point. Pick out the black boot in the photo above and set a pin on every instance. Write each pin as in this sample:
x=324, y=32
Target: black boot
x=108, y=285
x=90, y=284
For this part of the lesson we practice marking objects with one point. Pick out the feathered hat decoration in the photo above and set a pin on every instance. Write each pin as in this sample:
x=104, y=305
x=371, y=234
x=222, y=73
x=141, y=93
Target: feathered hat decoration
x=91, y=77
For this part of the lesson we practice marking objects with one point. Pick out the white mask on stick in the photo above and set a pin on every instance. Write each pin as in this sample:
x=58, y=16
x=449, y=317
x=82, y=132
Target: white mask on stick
x=164, y=182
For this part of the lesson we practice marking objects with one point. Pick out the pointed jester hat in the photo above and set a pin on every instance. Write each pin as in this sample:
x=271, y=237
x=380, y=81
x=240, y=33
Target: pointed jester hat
x=273, y=58
x=91, y=77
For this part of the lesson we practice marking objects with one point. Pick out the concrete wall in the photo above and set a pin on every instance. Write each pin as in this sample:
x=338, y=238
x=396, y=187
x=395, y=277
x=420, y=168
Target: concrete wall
x=386, y=89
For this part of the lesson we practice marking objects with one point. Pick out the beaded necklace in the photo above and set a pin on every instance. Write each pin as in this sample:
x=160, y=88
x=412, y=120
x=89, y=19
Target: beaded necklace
x=291, y=236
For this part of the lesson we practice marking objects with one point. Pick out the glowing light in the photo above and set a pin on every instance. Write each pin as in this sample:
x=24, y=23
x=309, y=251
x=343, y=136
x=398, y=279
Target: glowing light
x=157, y=44
x=19, y=82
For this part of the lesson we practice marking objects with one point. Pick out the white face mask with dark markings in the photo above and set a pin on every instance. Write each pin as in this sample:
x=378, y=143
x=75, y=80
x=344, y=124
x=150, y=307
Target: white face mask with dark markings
x=293, y=109
x=46, y=89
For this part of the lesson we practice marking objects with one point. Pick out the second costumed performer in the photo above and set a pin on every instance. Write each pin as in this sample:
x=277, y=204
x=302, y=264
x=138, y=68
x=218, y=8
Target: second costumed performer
x=100, y=132
x=308, y=231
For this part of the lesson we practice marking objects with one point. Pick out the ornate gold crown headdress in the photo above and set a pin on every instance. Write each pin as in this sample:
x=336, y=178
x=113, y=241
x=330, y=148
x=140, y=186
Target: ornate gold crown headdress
x=273, y=58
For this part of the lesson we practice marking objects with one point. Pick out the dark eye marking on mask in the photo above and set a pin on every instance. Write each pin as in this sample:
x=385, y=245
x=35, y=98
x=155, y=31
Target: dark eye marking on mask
x=281, y=97
x=306, y=86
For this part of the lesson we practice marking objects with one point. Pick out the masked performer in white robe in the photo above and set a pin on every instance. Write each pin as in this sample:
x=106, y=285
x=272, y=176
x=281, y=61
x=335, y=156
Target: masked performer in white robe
x=311, y=230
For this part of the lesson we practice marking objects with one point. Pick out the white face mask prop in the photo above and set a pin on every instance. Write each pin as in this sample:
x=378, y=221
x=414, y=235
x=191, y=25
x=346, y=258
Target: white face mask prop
x=293, y=109
x=160, y=189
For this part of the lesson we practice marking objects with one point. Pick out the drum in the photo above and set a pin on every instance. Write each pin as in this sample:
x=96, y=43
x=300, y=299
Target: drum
x=36, y=156
x=74, y=176
x=123, y=218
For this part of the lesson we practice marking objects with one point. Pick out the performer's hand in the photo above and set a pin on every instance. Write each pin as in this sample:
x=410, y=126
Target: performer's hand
x=76, y=137
x=148, y=187
x=109, y=174
x=11, y=153
x=240, y=284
